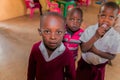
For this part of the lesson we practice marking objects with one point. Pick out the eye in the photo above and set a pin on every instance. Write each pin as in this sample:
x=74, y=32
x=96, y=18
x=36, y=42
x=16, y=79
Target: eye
x=102, y=16
x=79, y=20
x=72, y=19
x=59, y=32
x=46, y=32
x=111, y=17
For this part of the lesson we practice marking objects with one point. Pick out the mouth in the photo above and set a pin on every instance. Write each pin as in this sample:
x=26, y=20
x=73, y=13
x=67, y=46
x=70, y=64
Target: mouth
x=106, y=26
x=52, y=44
x=74, y=28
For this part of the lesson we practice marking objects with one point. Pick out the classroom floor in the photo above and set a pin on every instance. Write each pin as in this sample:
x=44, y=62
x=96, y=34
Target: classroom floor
x=17, y=36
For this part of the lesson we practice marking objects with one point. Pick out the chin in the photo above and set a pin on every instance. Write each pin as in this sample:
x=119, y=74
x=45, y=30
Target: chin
x=52, y=49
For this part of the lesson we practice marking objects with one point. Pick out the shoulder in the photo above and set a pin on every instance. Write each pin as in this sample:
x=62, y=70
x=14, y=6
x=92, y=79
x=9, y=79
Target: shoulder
x=88, y=33
x=35, y=50
x=66, y=49
x=91, y=29
x=36, y=45
x=80, y=30
x=113, y=33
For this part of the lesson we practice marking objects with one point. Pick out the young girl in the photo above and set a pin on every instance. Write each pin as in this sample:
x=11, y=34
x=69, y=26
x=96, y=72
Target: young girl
x=100, y=43
x=72, y=36
x=49, y=57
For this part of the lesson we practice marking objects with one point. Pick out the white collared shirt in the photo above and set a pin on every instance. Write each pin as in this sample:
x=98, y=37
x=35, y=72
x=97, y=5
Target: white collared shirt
x=55, y=54
x=110, y=42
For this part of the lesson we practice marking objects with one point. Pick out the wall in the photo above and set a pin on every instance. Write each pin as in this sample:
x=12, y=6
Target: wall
x=14, y=8
x=11, y=9
x=43, y=4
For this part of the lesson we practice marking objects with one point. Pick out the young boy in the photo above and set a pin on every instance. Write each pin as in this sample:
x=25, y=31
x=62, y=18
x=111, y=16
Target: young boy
x=99, y=44
x=49, y=57
x=72, y=36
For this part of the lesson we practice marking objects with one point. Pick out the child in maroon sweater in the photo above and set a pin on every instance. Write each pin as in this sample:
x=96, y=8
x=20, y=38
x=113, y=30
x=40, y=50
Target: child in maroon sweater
x=49, y=58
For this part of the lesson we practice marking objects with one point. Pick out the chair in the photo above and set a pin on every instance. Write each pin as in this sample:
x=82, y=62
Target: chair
x=32, y=6
x=53, y=6
x=66, y=5
x=84, y=2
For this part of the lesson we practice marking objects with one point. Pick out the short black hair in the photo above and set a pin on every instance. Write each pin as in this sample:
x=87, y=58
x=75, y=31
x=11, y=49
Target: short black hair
x=74, y=10
x=112, y=5
x=47, y=14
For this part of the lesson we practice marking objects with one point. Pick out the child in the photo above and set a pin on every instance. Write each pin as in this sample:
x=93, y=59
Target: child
x=50, y=57
x=72, y=36
x=100, y=42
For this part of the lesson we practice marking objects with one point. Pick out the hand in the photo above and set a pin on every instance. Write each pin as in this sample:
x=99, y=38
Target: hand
x=100, y=32
x=109, y=62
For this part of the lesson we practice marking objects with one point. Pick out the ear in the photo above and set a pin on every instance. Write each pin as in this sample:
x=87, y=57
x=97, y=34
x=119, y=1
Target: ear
x=115, y=22
x=39, y=31
x=82, y=20
x=116, y=18
x=98, y=16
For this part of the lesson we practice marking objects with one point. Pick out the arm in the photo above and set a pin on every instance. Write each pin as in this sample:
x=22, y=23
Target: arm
x=31, y=67
x=86, y=46
x=102, y=54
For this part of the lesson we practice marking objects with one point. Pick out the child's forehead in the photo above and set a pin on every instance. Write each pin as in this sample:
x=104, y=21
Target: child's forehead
x=75, y=14
x=52, y=21
x=108, y=10
x=51, y=17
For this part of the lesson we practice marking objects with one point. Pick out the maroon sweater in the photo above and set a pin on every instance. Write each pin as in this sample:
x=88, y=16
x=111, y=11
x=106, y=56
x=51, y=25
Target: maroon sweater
x=53, y=70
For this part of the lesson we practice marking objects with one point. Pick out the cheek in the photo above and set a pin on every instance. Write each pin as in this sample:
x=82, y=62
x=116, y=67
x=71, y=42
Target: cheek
x=100, y=20
x=60, y=38
x=78, y=25
x=45, y=38
x=68, y=23
x=112, y=23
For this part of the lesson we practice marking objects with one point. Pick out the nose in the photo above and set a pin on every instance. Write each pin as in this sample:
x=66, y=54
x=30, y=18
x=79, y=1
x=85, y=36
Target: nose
x=107, y=19
x=53, y=36
x=75, y=22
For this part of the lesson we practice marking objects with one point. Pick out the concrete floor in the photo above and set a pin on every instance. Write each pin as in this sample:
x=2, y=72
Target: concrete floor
x=17, y=36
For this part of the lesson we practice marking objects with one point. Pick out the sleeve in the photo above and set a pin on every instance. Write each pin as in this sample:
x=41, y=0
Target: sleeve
x=115, y=48
x=70, y=68
x=31, y=66
x=87, y=34
x=81, y=32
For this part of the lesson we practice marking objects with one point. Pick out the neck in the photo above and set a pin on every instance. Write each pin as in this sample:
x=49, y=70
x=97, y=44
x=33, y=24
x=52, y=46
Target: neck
x=68, y=30
x=49, y=50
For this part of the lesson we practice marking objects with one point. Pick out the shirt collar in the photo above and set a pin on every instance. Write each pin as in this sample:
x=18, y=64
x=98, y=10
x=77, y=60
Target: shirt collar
x=58, y=51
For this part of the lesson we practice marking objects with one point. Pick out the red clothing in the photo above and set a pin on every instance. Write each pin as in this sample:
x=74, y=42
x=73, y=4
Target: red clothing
x=87, y=71
x=39, y=69
x=72, y=41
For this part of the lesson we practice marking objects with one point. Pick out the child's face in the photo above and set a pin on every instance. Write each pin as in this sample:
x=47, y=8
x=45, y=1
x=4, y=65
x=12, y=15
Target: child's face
x=74, y=21
x=52, y=32
x=107, y=17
